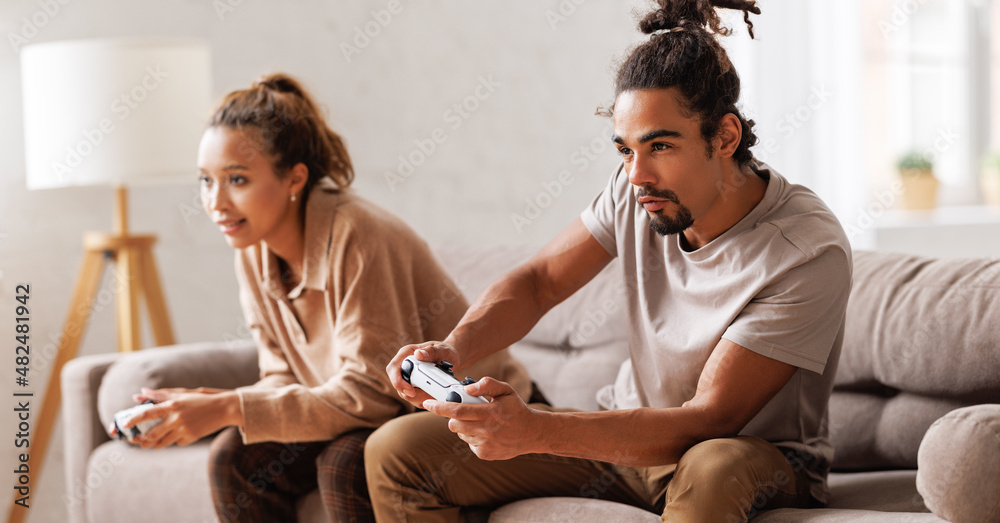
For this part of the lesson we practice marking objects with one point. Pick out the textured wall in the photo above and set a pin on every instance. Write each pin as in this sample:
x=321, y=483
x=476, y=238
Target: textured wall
x=544, y=66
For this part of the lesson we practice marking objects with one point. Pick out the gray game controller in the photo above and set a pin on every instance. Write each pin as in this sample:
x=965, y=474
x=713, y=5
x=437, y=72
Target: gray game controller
x=438, y=380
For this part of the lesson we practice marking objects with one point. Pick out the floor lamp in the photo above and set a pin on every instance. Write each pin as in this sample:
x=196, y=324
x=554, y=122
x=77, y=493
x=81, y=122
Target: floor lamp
x=115, y=112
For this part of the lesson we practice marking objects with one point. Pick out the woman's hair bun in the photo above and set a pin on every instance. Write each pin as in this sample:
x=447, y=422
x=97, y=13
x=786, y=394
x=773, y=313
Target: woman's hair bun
x=279, y=82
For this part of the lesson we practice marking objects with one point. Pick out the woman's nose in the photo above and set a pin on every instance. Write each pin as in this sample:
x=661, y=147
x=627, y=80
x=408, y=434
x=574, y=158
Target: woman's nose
x=215, y=198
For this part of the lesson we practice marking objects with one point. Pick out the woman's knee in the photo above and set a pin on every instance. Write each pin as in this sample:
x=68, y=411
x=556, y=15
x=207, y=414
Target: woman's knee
x=223, y=451
x=343, y=457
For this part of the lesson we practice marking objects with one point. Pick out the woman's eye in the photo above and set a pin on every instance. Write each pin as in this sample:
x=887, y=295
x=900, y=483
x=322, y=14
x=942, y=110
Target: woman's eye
x=204, y=180
x=237, y=179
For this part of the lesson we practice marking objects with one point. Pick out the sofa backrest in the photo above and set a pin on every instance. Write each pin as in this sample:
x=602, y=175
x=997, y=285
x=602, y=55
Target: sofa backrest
x=922, y=338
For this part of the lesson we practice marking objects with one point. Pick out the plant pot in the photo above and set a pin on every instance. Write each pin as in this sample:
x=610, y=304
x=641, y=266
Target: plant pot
x=919, y=189
x=989, y=183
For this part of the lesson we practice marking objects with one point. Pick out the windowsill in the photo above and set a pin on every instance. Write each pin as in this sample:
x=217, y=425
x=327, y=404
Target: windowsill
x=950, y=215
x=945, y=232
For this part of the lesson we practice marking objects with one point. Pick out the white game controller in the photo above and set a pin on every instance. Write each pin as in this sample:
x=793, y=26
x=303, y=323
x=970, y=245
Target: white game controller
x=438, y=380
x=123, y=416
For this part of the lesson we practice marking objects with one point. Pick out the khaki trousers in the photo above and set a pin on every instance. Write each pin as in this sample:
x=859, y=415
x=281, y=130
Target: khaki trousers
x=418, y=470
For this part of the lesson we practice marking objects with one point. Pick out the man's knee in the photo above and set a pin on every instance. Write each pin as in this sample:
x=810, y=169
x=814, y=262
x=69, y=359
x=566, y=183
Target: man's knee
x=744, y=467
x=397, y=444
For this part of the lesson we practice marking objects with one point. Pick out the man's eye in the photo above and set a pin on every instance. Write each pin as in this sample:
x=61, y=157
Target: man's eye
x=660, y=147
x=624, y=151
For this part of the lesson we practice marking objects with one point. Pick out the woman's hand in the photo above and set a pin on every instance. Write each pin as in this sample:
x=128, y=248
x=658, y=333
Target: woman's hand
x=188, y=415
x=433, y=351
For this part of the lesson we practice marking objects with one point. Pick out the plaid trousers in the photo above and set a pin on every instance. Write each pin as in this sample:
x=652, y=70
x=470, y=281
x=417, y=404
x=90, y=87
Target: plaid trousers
x=260, y=482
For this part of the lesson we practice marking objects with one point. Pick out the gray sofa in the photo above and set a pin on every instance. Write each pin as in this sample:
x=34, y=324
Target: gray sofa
x=922, y=350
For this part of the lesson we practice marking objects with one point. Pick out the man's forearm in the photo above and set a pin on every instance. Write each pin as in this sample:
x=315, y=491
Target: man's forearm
x=636, y=437
x=503, y=314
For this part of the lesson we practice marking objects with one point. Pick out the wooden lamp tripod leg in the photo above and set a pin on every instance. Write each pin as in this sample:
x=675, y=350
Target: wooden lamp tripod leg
x=159, y=317
x=128, y=288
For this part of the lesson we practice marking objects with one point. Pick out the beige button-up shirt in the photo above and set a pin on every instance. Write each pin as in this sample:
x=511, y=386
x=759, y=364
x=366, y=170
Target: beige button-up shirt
x=369, y=286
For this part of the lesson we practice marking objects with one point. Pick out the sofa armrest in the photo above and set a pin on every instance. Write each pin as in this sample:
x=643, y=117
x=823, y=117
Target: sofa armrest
x=80, y=380
x=958, y=465
x=214, y=364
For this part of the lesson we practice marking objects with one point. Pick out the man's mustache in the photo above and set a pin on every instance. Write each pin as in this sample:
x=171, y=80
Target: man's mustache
x=662, y=194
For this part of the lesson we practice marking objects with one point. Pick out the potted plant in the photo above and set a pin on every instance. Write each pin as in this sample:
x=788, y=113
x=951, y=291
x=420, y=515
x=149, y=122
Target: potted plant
x=916, y=171
x=989, y=179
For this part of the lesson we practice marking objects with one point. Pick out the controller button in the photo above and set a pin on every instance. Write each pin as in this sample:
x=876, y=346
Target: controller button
x=406, y=369
x=453, y=397
x=445, y=366
x=468, y=381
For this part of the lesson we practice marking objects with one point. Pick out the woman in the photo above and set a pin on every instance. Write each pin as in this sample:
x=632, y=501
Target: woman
x=331, y=287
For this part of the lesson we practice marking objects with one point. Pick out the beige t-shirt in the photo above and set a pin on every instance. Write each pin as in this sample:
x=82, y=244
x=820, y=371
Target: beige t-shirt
x=370, y=285
x=776, y=283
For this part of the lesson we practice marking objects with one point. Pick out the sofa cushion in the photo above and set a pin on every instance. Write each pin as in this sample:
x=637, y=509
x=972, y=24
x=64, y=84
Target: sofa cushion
x=922, y=325
x=224, y=365
x=123, y=479
x=871, y=431
x=959, y=460
x=831, y=515
x=577, y=510
x=920, y=341
x=569, y=377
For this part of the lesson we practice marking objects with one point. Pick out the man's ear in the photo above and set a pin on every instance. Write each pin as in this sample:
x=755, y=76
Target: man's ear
x=297, y=177
x=730, y=135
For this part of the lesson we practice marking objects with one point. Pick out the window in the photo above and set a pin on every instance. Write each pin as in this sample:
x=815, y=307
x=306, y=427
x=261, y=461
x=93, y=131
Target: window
x=927, y=88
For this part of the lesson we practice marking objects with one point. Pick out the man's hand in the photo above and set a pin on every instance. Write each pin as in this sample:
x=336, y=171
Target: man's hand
x=433, y=351
x=502, y=429
x=188, y=415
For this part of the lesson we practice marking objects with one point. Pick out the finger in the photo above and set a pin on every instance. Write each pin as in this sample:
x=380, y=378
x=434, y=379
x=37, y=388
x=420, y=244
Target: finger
x=156, y=432
x=154, y=395
x=152, y=439
x=459, y=411
x=168, y=439
x=490, y=387
x=469, y=431
x=112, y=430
x=393, y=369
x=436, y=352
x=152, y=413
x=418, y=398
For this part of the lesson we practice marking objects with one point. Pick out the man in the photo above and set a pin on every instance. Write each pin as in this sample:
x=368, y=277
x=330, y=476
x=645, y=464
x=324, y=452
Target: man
x=737, y=284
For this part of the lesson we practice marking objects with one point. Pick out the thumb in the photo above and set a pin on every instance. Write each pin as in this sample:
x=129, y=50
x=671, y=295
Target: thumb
x=490, y=387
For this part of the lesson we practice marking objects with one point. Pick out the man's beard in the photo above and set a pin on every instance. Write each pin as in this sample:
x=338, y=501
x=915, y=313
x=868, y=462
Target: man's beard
x=662, y=223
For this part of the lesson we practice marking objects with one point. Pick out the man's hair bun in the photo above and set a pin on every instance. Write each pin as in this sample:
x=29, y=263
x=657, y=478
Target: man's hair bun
x=696, y=14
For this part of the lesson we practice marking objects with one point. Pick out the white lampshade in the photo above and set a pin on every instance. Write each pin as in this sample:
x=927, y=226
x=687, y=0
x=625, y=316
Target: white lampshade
x=114, y=111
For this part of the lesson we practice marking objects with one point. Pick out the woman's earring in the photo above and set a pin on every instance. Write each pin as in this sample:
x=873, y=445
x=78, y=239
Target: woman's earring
x=293, y=198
